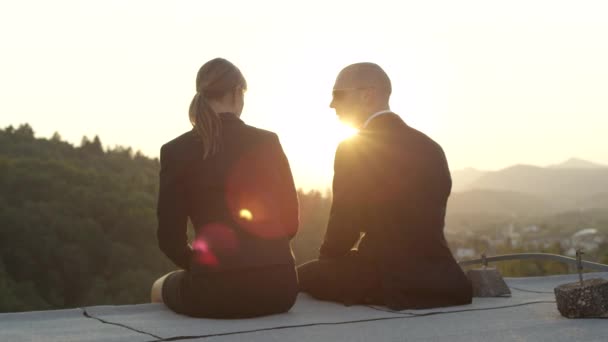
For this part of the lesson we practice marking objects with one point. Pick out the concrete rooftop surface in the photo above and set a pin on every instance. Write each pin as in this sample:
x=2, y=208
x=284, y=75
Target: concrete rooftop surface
x=530, y=314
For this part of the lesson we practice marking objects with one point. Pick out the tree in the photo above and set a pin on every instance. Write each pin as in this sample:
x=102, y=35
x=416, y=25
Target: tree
x=56, y=137
x=24, y=131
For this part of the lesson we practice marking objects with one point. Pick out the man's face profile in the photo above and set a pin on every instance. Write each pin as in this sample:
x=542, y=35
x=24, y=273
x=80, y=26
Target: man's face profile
x=347, y=104
x=360, y=90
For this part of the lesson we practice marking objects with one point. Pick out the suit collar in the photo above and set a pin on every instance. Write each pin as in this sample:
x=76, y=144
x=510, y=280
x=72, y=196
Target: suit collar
x=373, y=116
x=385, y=121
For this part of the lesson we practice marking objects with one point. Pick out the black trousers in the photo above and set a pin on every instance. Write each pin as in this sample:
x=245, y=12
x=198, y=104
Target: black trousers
x=349, y=280
x=232, y=294
x=353, y=279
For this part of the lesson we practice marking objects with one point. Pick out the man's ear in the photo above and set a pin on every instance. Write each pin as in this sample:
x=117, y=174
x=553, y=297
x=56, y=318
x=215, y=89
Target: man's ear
x=369, y=95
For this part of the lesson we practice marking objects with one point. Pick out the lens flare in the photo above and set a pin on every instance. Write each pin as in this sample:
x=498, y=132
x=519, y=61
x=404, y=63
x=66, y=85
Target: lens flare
x=203, y=254
x=245, y=214
x=253, y=189
x=213, y=243
x=221, y=238
x=345, y=131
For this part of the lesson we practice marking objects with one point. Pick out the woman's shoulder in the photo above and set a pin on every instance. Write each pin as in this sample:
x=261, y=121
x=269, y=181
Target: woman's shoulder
x=262, y=133
x=179, y=143
x=182, y=138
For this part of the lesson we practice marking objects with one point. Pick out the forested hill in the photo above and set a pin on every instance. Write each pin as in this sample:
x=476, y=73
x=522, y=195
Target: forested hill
x=78, y=224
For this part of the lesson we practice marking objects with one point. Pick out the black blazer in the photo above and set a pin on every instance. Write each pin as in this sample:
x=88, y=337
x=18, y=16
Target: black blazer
x=241, y=201
x=392, y=182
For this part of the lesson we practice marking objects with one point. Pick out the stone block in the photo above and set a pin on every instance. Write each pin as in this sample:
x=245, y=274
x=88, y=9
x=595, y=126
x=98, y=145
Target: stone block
x=488, y=282
x=589, y=300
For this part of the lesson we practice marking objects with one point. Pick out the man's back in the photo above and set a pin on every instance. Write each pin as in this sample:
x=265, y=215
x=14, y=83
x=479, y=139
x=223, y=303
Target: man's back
x=392, y=183
x=395, y=182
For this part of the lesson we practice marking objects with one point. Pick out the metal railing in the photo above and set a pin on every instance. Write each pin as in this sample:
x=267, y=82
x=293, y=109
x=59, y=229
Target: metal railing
x=538, y=256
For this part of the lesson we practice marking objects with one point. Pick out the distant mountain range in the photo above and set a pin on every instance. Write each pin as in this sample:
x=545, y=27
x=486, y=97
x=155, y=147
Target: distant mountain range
x=498, y=203
x=573, y=184
x=576, y=163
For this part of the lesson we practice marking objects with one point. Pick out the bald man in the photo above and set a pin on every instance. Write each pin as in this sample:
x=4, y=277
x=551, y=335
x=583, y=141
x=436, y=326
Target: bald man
x=390, y=189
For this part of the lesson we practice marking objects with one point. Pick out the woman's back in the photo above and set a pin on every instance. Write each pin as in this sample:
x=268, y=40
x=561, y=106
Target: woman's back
x=233, y=182
x=241, y=201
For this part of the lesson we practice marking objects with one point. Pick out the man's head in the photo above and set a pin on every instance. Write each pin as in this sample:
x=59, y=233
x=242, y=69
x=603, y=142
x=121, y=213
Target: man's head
x=360, y=90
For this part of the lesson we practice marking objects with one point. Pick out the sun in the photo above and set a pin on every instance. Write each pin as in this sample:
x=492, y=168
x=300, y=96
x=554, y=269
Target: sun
x=344, y=131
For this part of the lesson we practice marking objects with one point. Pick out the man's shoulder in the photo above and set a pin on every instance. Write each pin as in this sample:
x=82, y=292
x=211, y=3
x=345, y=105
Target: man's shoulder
x=422, y=138
x=351, y=144
x=396, y=126
x=399, y=139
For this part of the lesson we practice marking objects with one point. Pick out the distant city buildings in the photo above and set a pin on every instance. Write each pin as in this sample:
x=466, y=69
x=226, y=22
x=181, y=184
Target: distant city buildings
x=529, y=238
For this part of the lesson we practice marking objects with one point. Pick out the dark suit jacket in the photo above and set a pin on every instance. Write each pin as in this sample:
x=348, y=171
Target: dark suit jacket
x=241, y=201
x=391, y=182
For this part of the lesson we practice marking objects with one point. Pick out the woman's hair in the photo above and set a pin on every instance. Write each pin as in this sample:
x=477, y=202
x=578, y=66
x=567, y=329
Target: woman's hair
x=215, y=79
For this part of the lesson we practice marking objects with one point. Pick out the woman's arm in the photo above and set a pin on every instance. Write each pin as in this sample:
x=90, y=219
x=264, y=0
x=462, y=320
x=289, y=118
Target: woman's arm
x=288, y=197
x=171, y=213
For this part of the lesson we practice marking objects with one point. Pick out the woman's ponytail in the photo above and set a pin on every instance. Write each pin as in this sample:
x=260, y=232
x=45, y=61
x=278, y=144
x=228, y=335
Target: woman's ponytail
x=215, y=79
x=207, y=124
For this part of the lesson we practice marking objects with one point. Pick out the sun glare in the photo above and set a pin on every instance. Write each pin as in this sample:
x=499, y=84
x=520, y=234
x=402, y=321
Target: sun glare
x=345, y=131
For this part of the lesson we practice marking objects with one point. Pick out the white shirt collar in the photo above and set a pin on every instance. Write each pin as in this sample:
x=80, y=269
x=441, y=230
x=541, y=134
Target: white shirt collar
x=386, y=111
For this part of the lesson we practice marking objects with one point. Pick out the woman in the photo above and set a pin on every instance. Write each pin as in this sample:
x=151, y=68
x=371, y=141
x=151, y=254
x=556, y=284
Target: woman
x=234, y=183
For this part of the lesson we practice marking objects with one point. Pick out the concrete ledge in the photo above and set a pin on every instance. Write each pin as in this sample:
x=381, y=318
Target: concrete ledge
x=529, y=315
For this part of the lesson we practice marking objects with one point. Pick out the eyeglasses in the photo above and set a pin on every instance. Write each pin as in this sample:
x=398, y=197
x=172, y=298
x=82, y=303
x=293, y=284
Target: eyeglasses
x=339, y=94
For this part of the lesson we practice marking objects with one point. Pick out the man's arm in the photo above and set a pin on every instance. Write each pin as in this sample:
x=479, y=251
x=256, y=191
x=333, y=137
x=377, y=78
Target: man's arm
x=172, y=214
x=344, y=218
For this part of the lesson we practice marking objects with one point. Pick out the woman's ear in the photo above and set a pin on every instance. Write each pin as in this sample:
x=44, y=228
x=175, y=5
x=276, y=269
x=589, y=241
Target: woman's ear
x=229, y=98
x=238, y=94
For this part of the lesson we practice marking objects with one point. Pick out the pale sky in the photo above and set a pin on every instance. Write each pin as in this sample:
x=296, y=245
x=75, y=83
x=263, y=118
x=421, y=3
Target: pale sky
x=494, y=82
